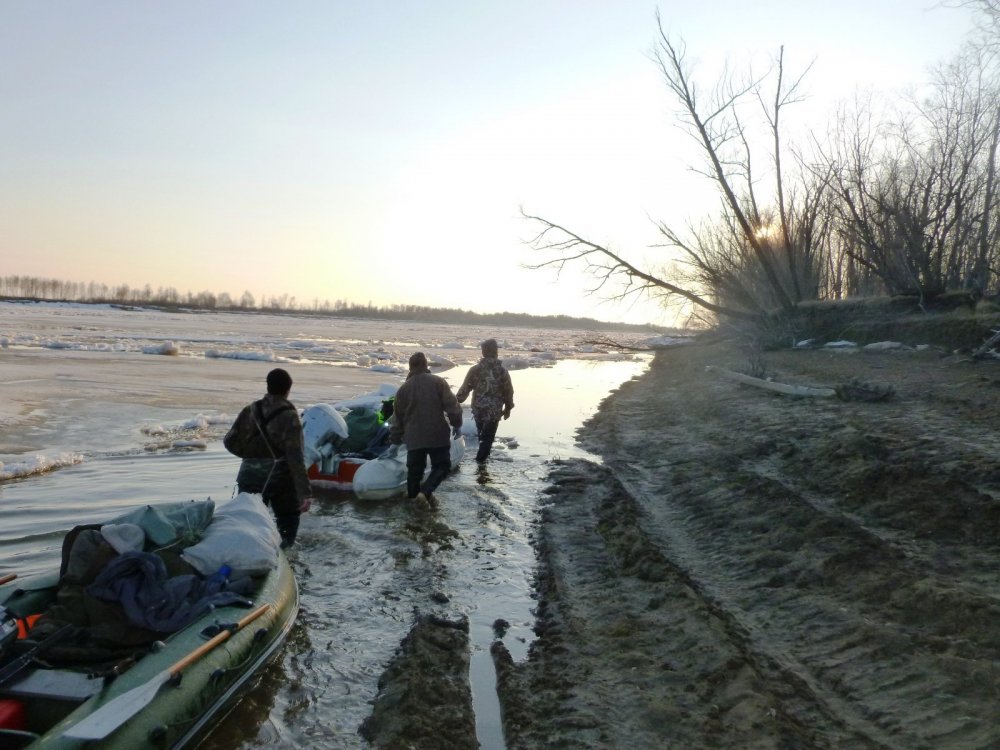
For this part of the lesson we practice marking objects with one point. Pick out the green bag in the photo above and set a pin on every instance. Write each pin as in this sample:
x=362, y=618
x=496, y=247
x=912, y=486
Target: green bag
x=165, y=524
x=361, y=427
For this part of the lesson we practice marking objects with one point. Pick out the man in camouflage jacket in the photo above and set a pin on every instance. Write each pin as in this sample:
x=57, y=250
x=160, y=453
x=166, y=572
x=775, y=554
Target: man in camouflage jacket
x=492, y=396
x=267, y=435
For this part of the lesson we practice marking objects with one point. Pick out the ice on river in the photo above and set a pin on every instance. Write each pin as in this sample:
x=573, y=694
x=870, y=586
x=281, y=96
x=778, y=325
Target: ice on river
x=78, y=380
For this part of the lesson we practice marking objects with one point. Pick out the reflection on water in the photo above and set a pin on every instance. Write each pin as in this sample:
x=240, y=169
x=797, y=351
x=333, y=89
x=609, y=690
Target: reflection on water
x=363, y=569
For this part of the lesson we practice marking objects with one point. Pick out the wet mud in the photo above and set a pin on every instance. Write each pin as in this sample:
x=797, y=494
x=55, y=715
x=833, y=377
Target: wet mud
x=747, y=569
x=424, y=696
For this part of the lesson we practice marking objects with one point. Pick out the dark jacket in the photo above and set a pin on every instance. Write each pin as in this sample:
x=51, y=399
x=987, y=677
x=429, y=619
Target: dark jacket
x=140, y=583
x=278, y=460
x=492, y=390
x=418, y=416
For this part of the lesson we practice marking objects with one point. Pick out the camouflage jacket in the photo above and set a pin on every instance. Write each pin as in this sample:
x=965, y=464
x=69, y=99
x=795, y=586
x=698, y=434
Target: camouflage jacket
x=267, y=435
x=423, y=409
x=492, y=390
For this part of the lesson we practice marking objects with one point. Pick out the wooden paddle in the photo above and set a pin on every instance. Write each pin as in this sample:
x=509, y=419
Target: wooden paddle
x=116, y=712
x=7, y=578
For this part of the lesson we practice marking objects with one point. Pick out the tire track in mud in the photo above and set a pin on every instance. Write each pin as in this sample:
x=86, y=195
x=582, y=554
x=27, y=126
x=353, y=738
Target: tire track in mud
x=853, y=545
x=852, y=645
x=433, y=692
x=681, y=670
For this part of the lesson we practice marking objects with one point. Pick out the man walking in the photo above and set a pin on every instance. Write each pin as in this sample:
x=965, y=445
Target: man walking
x=492, y=396
x=423, y=409
x=267, y=435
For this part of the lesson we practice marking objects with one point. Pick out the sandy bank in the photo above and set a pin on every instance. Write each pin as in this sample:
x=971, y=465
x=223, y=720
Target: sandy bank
x=758, y=571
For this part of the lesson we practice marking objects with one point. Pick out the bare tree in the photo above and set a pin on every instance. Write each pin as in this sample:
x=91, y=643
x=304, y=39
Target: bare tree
x=988, y=44
x=716, y=128
x=917, y=193
x=748, y=260
x=609, y=269
x=783, y=96
x=987, y=17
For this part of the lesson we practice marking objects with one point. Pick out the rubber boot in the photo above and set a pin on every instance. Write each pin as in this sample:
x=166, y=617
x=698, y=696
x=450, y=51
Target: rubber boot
x=288, y=528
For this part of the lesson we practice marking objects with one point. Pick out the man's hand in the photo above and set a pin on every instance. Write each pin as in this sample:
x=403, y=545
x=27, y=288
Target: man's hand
x=506, y=412
x=456, y=433
x=306, y=505
x=391, y=451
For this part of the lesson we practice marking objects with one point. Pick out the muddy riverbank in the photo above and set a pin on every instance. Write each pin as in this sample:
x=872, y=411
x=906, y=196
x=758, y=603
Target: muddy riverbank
x=748, y=569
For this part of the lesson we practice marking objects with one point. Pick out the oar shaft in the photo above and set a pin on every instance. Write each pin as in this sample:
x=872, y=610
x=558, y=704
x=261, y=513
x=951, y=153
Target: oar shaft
x=120, y=709
x=216, y=640
x=7, y=578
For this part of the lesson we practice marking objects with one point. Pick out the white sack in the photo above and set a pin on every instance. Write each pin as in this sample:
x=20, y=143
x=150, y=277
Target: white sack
x=241, y=535
x=457, y=450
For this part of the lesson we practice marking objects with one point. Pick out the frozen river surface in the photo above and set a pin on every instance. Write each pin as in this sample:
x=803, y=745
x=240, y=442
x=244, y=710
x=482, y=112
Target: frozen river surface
x=104, y=409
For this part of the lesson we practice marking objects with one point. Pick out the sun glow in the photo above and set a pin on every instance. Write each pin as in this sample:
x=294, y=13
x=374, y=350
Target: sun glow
x=767, y=231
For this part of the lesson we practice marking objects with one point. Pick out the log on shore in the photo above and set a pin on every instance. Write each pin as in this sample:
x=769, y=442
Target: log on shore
x=784, y=388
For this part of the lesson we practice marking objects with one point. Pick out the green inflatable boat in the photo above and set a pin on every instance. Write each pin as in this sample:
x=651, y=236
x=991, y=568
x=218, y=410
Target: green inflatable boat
x=150, y=632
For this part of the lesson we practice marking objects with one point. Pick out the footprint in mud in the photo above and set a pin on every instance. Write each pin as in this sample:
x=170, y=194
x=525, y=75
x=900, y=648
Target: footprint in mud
x=427, y=529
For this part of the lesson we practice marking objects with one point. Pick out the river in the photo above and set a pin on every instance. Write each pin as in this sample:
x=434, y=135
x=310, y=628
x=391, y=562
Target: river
x=100, y=444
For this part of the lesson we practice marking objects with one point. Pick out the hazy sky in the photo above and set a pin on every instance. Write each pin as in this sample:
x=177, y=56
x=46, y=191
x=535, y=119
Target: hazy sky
x=380, y=151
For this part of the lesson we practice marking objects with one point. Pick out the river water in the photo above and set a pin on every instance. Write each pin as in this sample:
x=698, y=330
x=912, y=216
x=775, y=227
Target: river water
x=365, y=569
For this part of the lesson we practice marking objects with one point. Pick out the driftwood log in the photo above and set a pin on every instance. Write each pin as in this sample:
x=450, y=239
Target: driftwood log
x=788, y=390
x=855, y=390
x=988, y=346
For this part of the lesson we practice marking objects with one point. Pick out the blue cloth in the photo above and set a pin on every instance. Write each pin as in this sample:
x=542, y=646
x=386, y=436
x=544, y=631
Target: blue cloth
x=378, y=443
x=138, y=582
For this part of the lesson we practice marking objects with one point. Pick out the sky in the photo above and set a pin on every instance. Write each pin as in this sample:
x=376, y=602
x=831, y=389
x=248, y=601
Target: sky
x=382, y=152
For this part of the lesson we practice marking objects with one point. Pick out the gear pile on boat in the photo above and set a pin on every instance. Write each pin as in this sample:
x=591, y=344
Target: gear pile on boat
x=346, y=446
x=121, y=643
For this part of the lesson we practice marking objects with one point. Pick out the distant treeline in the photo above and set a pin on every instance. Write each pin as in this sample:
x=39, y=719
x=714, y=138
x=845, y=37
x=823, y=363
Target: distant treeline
x=53, y=290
